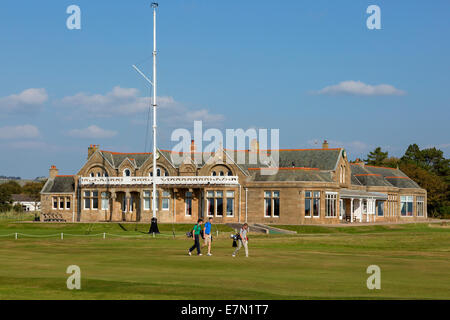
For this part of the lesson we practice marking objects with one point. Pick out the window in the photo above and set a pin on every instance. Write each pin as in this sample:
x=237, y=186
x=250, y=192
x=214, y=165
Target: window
x=214, y=174
x=330, y=205
x=95, y=200
x=420, y=206
x=68, y=203
x=188, y=203
x=230, y=203
x=87, y=200
x=61, y=203
x=312, y=204
x=99, y=174
x=392, y=205
x=165, y=200
x=271, y=204
x=105, y=200
x=127, y=173
x=380, y=206
x=230, y=173
x=406, y=206
x=210, y=203
x=55, y=203
x=342, y=174
x=215, y=203
x=221, y=174
x=92, y=175
x=219, y=203
x=147, y=200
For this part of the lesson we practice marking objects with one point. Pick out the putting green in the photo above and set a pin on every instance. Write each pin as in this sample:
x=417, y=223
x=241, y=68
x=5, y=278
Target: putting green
x=318, y=263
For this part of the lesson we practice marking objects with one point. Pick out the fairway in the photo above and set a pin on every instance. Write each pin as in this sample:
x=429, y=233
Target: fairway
x=318, y=263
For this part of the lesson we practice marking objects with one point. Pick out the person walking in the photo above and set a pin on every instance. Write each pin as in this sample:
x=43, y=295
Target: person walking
x=207, y=231
x=196, y=234
x=243, y=241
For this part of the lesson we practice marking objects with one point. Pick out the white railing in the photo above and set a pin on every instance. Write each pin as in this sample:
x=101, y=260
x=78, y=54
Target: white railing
x=174, y=180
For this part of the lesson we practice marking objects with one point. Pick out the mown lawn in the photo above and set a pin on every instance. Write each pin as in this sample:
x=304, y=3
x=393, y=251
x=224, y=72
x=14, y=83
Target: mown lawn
x=324, y=263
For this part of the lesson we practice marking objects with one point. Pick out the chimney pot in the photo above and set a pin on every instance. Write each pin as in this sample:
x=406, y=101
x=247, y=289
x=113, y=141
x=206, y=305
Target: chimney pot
x=325, y=145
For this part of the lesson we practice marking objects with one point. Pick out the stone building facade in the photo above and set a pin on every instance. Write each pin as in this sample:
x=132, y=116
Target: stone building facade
x=308, y=186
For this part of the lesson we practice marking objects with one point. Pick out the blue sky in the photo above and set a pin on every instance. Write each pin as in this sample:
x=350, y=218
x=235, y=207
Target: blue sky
x=309, y=68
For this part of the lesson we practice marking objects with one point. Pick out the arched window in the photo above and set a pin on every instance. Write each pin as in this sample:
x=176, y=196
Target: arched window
x=92, y=175
x=99, y=174
x=159, y=172
x=127, y=173
x=221, y=174
x=214, y=173
x=230, y=173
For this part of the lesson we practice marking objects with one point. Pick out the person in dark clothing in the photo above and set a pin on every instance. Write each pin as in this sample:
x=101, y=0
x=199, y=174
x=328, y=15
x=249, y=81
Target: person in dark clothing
x=196, y=234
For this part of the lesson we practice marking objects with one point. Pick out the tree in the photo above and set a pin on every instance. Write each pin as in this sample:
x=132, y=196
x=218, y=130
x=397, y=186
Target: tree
x=431, y=170
x=5, y=199
x=12, y=187
x=376, y=157
x=391, y=162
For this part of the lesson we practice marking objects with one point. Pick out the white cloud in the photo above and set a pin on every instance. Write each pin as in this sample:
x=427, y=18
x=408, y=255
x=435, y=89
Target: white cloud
x=126, y=101
x=29, y=99
x=19, y=132
x=92, y=132
x=361, y=89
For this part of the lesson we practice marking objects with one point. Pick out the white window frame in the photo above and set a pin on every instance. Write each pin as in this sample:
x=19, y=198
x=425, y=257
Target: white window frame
x=125, y=170
x=105, y=196
x=333, y=197
x=420, y=200
x=186, y=204
x=53, y=203
x=226, y=203
x=68, y=200
x=407, y=198
x=272, y=199
x=89, y=199
x=92, y=200
x=147, y=196
x=165, y=197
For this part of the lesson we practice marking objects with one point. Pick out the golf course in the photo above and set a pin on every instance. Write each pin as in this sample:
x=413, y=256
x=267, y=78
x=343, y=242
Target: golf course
x=121, y=261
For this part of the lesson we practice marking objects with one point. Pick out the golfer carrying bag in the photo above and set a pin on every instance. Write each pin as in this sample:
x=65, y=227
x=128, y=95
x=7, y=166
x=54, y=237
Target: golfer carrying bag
x=243, y=240
x=196, y=234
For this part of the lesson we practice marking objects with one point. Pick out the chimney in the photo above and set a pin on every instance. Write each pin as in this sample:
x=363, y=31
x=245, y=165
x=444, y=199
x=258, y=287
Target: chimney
x=325, y=145
x=254, y=146
x=193, y=149
x=91, y=150
x=53, y=172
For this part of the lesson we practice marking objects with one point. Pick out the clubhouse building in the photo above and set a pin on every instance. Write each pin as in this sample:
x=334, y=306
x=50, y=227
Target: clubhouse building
x=310, y=186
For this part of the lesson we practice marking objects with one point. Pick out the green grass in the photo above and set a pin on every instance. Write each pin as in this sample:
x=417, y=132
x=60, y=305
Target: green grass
x=318, y=263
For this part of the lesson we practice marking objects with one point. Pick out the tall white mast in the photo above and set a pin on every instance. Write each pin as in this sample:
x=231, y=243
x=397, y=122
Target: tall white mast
x=154, y=6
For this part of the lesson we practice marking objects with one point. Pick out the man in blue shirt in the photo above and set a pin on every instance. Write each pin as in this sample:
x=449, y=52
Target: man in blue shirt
x=208, y=235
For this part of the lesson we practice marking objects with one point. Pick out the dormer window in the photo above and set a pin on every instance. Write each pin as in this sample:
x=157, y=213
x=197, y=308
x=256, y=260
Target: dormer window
x=127, y=173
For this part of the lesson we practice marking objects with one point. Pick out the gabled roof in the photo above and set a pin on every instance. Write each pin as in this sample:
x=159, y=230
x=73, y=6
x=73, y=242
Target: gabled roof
x=60, y=184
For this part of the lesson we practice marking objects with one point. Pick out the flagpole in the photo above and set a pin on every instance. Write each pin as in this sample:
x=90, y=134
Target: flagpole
x=154, y=225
